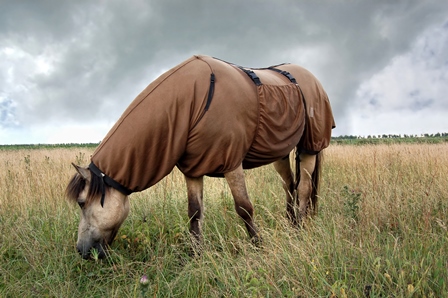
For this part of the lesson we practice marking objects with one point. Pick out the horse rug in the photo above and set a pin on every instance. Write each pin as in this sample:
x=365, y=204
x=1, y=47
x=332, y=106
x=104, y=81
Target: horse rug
x=206, y=117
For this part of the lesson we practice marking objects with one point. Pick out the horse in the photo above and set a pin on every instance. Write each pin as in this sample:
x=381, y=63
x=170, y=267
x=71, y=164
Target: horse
x=207, y=117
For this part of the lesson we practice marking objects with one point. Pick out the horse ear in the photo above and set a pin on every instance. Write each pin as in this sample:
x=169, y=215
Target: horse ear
x=84, y=172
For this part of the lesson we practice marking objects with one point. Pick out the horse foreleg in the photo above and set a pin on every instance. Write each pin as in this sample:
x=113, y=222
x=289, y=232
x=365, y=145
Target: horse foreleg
x=243, y=206
x=283, y=167
x=305, y=188
x=195, y=208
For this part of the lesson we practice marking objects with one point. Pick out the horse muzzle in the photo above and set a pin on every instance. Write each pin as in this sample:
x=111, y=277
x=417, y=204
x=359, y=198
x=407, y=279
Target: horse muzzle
x=92, y=251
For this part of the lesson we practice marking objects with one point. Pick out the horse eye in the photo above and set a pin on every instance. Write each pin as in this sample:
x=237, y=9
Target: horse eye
x=81, y=204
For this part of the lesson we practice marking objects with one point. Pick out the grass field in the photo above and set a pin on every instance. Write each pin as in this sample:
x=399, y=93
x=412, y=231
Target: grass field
x=382, y=231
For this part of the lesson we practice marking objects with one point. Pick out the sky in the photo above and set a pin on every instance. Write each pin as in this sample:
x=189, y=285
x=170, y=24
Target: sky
x=68, y=69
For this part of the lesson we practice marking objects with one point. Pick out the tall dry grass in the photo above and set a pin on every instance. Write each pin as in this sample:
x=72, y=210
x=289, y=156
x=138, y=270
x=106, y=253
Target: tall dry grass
x=382, y=230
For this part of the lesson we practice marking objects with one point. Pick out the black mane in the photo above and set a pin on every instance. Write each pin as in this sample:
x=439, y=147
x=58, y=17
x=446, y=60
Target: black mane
x=78, y=183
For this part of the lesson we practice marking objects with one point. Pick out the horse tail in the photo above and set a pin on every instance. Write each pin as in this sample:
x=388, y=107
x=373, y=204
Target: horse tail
x=297, y=169
x=315, y=179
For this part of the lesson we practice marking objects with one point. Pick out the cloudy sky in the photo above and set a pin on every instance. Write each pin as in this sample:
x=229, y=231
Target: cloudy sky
x=68, y=69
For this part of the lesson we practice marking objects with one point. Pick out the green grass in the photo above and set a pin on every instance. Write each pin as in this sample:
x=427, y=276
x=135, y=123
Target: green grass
x=382, y=230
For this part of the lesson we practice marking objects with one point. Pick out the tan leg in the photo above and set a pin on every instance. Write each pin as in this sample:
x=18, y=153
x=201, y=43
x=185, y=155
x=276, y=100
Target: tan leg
x=243, y=206
x=304, y=190
x=283, y=167
x=195, y=208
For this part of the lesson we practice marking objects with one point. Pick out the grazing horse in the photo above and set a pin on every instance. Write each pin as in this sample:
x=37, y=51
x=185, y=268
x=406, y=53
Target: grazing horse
x=206, y=117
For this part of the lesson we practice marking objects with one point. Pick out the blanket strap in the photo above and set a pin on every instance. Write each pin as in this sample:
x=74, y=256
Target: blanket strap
x=108, y=181
x=285, y=73
x=251, y=75
x=249, y=72
x=211, y=90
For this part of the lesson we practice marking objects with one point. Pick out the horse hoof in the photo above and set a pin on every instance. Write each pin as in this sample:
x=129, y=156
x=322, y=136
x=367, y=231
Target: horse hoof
x=257, y=241
x=195, y=253
x=195, y=250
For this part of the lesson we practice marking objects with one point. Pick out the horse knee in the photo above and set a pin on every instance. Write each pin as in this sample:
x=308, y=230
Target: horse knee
x=243, y=206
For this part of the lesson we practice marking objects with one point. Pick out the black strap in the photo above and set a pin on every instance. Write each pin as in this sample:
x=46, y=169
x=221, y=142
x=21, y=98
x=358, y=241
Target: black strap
x=210, y=91
x=249, y=72
x=285, y=73
x=108, y=181
x=251, y=75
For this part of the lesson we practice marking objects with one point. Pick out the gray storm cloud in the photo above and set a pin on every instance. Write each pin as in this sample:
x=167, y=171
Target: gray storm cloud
x=73, y=61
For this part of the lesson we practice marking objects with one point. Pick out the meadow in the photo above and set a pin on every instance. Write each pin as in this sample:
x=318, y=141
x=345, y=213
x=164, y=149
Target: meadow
x=381, y=231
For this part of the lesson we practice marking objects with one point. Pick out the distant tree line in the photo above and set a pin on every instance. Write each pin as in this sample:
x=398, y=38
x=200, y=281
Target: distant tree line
x=49, y=146
x=391, y=138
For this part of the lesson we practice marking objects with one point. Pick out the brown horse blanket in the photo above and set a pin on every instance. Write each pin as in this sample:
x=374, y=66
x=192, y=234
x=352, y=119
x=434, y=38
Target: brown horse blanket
x=184, y=119
x=319, y=117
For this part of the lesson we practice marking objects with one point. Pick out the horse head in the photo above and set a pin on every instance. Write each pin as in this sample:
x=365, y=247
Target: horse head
x=99, y=223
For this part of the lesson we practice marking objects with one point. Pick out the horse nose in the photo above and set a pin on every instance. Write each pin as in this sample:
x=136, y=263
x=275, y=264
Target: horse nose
x=84, y=254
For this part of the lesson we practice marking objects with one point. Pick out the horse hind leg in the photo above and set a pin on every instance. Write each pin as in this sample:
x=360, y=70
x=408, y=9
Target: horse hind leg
x=195, y=209
x=283, y=167
x=243, y=206
x=305, y=190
